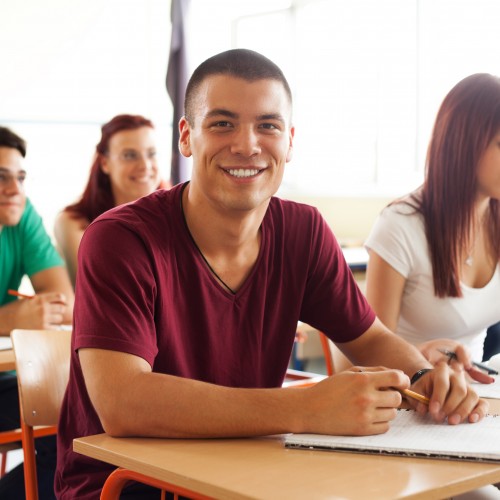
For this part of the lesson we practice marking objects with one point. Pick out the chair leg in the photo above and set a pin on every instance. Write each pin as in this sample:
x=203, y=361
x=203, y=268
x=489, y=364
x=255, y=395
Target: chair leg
x=117, y=480
x=3, y=467
x=30, y=480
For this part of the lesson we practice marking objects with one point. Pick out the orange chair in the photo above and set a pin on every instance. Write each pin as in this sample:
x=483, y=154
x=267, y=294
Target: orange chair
x=335, y=360
x=42, y=365
x=119, y=478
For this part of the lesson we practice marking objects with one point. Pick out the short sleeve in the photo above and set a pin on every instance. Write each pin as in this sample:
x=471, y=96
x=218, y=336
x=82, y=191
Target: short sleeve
x=394, y=235
x=333, y=302
x=115, y=292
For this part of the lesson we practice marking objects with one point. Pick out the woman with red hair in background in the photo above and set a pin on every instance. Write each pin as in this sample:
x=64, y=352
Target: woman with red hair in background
x=433, y=275
x=124, y=169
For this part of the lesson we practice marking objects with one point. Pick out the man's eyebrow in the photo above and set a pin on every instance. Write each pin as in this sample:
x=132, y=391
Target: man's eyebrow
x=271, y=116
x=221, y=112
x=8, y=170
x=231, y=114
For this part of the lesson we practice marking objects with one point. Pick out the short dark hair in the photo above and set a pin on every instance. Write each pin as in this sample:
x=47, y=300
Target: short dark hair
x=241, y=63
x=10, y=140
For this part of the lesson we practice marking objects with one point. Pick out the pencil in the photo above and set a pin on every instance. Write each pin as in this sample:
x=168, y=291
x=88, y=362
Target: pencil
x=415, y=395
x=17, y=294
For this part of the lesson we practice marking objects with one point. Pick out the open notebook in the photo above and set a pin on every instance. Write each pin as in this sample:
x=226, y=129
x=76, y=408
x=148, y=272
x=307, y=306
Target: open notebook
x=414, y=435
x=490, y=390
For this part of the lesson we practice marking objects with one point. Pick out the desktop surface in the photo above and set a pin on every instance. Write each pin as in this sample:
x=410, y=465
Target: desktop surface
x=263, y=468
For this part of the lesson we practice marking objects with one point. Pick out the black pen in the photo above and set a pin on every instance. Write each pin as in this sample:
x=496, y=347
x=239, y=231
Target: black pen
x=452, y=355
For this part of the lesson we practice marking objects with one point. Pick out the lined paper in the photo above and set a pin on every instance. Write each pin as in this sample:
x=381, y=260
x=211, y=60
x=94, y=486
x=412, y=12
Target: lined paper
x=415, y=435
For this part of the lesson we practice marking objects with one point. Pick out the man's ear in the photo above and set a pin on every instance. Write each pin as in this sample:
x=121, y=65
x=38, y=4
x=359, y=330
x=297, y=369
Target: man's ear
x=184, y=137
x=289, y=154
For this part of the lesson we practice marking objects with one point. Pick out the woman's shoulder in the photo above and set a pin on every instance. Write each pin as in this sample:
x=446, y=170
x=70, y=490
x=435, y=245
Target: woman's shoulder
x=66, y=221
x=405, y=209
x=401, y=221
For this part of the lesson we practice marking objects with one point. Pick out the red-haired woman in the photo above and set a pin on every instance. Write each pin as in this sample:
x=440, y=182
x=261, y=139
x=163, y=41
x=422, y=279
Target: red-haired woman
x=124, y=169
x=433, y=275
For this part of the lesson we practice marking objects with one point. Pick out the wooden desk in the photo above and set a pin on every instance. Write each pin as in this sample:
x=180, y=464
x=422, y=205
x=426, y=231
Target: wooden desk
x=7, y=361
x=262, y=468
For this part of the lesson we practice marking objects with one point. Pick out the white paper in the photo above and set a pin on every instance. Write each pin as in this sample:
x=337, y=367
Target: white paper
x=491, y=391
x=416, y=435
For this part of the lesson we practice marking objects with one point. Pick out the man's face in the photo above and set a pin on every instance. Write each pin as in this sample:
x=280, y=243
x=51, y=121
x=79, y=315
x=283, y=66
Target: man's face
x=240, y=140
x=12, y=197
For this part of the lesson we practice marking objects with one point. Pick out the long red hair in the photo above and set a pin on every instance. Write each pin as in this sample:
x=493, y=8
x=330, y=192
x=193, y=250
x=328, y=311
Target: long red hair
x=467, y=121
x=97, y=196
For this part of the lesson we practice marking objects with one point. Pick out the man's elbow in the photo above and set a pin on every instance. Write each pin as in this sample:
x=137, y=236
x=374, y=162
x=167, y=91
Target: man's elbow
x=116, y=425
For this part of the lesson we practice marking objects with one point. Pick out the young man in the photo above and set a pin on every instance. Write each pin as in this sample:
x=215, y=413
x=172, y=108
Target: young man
x=188, y=300
x=26, y=249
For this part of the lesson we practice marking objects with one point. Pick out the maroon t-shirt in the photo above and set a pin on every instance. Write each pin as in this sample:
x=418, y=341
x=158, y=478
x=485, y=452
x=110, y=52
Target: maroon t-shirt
x=143, y=288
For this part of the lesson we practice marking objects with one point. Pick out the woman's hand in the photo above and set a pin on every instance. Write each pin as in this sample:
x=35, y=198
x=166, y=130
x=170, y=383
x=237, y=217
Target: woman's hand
x=461, y=360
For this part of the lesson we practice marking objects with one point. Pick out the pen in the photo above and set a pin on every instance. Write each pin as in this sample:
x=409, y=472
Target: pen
x=452, y=355
x=17, y=294
x=415, y=395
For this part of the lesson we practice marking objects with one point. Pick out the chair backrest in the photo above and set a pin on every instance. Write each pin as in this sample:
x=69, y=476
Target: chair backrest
x=42, y=364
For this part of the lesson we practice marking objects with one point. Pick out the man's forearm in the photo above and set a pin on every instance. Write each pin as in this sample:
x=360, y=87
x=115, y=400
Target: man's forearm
x=380, y=347
x=166, y=406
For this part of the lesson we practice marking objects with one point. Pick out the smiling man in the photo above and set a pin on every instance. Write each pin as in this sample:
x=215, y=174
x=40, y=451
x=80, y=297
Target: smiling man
x=26, y=249
x=199, y=290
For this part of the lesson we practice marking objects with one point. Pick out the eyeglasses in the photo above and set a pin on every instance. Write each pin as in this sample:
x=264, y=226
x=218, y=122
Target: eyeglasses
x=6, y=178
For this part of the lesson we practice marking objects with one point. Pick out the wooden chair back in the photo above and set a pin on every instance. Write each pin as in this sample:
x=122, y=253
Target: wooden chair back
x=42, y=365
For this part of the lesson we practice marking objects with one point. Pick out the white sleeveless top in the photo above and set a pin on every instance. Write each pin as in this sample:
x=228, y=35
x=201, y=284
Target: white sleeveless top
x=398, y=236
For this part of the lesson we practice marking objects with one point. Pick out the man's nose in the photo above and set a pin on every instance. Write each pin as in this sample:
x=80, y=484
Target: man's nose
x=246, y=142
x=12, y=186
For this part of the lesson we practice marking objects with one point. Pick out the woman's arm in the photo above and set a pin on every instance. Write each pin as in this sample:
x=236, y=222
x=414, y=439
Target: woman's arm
x=384, y=290
x=68, y=232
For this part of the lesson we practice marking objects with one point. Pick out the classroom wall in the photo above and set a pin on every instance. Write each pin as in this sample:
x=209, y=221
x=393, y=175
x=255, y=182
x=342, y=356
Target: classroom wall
x=350, y=218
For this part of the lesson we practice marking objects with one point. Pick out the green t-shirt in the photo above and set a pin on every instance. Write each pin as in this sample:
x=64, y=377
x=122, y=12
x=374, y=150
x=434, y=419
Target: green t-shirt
x=25, y=249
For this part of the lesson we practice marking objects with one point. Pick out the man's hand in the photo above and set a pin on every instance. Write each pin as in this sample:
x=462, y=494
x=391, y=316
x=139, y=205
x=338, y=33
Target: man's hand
x=358, y=401
x=41, y=312
x=450, y=395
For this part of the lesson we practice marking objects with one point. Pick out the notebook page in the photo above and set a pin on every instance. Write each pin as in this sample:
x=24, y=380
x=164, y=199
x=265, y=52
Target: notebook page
x=417, y=435
x=491, y=391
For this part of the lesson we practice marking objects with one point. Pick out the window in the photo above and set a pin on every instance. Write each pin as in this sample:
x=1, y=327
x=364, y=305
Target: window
x=368, y=78
x=68, y=67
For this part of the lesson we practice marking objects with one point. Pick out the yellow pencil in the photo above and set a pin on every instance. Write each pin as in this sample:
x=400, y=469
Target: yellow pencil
x=415, y=395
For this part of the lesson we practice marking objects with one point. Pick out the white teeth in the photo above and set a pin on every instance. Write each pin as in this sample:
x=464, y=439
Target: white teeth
x=243, y=172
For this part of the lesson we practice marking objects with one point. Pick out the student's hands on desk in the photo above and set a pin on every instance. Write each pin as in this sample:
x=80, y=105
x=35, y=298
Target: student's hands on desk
x=355, y=401
x=451, y=397
x=433, y=350
x=42, y=311
x=363, y=401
